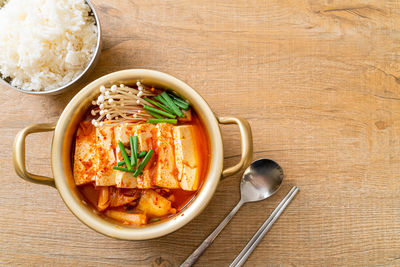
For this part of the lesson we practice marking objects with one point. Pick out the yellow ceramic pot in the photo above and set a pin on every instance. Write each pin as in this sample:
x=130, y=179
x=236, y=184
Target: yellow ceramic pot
x=61, y=163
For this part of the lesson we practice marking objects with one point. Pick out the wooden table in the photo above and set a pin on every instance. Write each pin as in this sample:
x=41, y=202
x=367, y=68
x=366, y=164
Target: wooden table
x=319, y=82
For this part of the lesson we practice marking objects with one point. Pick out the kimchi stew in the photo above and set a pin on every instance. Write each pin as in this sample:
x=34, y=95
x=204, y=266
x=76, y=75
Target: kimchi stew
x=141, y=154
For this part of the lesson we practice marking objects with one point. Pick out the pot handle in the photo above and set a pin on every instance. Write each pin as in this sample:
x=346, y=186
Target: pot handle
x=246, y=144
x=19, y=153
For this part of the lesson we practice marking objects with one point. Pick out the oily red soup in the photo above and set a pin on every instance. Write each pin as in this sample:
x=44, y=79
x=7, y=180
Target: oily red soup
x=171, y=147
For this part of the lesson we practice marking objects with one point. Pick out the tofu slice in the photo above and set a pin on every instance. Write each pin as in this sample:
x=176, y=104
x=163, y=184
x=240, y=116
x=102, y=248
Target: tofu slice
x=187, y=157
x=145, y=140
x=122, y=134
x=165, y=168
x=154, y=205
x=85, y=169
x=105, y=156
x=187, y=115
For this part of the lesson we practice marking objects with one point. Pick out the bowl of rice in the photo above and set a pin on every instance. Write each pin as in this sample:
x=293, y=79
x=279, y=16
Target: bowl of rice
x=47, y=46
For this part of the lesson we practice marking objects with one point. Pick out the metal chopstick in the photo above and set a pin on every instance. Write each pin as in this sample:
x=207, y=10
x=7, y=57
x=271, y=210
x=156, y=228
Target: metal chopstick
x=256, y=239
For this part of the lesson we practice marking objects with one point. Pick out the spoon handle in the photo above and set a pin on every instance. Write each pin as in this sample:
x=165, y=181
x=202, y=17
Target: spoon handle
x=248, y=249
x=207, y=242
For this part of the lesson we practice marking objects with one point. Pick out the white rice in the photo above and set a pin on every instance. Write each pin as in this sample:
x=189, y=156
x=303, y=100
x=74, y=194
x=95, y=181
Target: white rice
x=45, y=44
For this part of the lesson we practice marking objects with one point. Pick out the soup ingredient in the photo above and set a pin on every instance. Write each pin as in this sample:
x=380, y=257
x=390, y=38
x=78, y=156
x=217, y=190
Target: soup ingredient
x=154, y=205
x=127, y=162
x=186, y=158
x=145, y=139
x=170, y=108
x=165, y=169
x=120, y=197
x=127, y=218
x=188, y=116
x=104, y=198
x=171, y=169
x=155, y=115
x=45, y=44
x=105, y=158
x=144, y=132
x=134, y=144
x=139, y=155
x=118, y=104
x=166, y=114
x=180, y=102
x=155, y=121
x=121, y=104
x=143, y=163
x=162, y=100
x=85, y=168
x=158, y=104
x=171, y=104
x=172, y=161
x=142, y=154
x=125, y=156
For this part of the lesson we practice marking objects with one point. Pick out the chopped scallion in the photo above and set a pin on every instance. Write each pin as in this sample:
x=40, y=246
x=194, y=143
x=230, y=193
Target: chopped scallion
x=172, y=105
x=139, y=155
x=162, y=100
x=143, y=163
x=134, y=144
x=164, y=113
x=158, y=104
x=179, y=102
x=142, y=154
x=155, y=121
x=155, y=115
x=181, y=105
x=125, y=156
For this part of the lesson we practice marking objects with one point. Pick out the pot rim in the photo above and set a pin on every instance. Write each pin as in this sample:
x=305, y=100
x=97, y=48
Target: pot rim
x=164, y=227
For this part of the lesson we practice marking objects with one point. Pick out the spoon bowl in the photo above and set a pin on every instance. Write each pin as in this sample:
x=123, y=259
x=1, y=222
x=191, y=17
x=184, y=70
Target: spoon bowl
x=260, y=180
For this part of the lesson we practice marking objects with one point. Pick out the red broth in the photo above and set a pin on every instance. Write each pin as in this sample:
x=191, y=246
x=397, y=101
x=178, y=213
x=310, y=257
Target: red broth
x=179, y=198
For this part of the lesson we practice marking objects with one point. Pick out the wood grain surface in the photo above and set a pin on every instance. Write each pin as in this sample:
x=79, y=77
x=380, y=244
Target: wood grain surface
x=319, y=82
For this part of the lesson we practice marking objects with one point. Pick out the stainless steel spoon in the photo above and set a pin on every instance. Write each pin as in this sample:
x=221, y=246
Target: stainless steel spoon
x=259, y=181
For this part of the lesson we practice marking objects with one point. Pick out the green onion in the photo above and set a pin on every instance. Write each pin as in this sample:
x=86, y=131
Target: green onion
x=155, y=115
x=171, y=104
x=179, y=102
x=142, y=154
x=122, y=169
x=143, y=163
x=158, y=104
x=154, y=220
x=155, y=121
x=162, y=100
x=166, y=114
x=125, y=156
x=134, y=144
x=177, y=98
x=139, y=155
x=181, y=105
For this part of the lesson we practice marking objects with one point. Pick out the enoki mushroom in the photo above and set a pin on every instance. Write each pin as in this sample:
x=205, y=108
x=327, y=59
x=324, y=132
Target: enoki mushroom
x=122, y=103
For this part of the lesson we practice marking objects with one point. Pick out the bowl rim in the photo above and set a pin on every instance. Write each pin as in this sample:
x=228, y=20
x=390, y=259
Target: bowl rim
x=77, y=78
x=164, y=227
